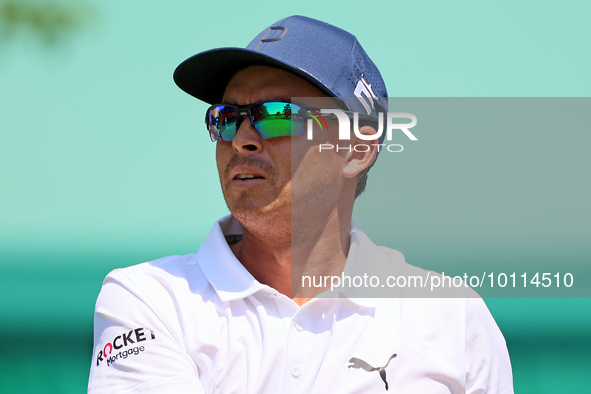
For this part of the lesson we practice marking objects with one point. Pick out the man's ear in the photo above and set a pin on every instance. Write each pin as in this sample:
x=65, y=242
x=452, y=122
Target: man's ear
x=363, y=153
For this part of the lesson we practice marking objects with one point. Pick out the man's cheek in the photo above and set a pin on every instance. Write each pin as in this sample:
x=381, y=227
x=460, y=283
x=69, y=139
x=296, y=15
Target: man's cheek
x=223, y=153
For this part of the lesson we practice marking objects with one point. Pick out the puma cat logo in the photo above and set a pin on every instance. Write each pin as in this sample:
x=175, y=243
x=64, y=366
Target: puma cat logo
x=359, y=363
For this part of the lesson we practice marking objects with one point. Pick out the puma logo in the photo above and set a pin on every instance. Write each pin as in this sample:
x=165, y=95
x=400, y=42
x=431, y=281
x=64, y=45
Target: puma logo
x=359, y=363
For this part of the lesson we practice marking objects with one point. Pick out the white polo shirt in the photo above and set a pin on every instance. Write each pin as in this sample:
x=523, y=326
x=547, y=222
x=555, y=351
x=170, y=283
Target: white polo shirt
x=201, y=323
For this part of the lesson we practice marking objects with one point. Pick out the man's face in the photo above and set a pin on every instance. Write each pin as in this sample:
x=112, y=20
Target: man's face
x=287, y=170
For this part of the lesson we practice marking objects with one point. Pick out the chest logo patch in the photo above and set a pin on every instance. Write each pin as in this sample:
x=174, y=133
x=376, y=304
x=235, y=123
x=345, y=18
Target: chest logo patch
x=360, y=364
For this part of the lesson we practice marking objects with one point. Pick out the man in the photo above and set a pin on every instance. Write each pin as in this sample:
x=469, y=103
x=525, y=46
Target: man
x=236, y=317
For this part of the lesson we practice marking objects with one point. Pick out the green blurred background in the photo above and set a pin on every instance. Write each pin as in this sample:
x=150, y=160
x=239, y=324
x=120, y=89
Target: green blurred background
x=105, y=163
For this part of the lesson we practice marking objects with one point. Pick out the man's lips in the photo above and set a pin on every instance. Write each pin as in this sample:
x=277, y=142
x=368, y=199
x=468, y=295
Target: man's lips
x=249, y=170
x=245, y=175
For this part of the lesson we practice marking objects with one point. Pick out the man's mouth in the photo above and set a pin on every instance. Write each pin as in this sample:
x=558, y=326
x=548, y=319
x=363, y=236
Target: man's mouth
x=248, y=172
x=248, y=176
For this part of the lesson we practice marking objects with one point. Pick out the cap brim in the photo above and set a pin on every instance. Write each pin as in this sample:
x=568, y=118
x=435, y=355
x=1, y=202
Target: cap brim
x=206, y=75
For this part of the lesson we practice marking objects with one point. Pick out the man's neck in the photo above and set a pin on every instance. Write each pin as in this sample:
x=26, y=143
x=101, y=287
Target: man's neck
x=317, y=251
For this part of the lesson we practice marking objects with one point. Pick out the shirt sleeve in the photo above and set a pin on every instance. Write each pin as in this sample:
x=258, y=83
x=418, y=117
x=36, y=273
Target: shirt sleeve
x=488, y=368
x=138, y=347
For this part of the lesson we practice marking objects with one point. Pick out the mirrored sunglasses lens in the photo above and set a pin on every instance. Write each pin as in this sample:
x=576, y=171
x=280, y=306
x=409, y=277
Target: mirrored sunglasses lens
x=221, y=122
x=277, y=120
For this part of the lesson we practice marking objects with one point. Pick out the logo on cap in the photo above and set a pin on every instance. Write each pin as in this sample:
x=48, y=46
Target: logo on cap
x=265, y=39
x=364, y=88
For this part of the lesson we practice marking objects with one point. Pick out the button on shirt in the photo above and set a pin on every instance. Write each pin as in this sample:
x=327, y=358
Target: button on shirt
x=201, y=323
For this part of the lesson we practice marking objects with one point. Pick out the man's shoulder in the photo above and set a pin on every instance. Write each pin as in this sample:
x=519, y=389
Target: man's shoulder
x=414, y=281
x=160, y=287
x=174, y=263
x=171, y=270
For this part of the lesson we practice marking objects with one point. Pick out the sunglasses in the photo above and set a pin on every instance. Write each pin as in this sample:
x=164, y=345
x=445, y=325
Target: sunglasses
x=269, y=118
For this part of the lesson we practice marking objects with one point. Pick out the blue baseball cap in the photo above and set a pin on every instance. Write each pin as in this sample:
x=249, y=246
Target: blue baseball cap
x=324, y=55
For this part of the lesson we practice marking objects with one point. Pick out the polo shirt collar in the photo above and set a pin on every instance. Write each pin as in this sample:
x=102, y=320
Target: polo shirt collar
x=361, y=249
x=222, y=269
x=232, y=281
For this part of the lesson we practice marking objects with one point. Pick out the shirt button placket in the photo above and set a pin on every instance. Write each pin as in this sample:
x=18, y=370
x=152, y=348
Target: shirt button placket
x=296, y=370
x=297, y=344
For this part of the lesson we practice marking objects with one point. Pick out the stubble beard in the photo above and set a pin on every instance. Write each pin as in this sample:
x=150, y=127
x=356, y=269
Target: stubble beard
x=265, y=214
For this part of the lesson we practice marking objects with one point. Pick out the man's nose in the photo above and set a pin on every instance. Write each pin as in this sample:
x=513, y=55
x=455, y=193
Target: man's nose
x=247, y=140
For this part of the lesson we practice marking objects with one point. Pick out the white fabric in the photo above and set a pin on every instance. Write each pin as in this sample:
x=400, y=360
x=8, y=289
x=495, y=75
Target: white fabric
x=207, y=326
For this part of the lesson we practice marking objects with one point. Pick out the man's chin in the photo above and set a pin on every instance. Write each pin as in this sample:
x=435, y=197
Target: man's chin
x=249, y=211
x=249, y=207
x=252, y=200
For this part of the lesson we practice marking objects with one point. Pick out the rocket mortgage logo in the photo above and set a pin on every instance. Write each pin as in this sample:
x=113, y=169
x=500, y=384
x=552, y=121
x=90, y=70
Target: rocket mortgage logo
x=128, y=342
